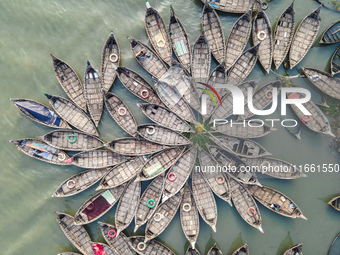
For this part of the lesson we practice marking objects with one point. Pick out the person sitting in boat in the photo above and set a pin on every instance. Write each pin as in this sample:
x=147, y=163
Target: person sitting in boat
x=275, y=206
x=141, y=54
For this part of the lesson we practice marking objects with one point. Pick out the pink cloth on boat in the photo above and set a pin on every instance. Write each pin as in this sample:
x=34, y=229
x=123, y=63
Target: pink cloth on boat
x=99, y=249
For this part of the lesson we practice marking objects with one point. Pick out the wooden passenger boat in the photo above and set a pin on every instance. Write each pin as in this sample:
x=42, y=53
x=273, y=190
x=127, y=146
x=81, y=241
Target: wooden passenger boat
x=335, y=62
x=332, y=34
x=276, y=201
x=147, y=58
x=192, y=251
x=238, y=6
x=335, y=203
x=103, y=247
x=304, y=37
x=72, y=140
x=204, y=199
x=39, y=112
x=296, y=249
x=149, y=201
x=180, y=40
x=238, y=38
x=79, y=182
x=243, y=250
x=76, y=234
x=38, y=149
x=334, y=248
x=93, y=93
x=110, y=61
x=139, y=245
x=72, y=114
x=214, y=250
x=213, y=31
x=158, y=34
x=283, y=35
x=120, y=112
x=98, y=205
x=69, y=81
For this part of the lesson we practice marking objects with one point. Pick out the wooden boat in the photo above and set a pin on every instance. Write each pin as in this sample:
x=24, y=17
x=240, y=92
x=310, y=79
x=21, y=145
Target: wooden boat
x=76, y=234
x=241, y=147
x=162, y=135
x=139, y=245
x=179, y=173
x=233, y=164
x=296, y=249
x=159, y=163
x=238, y=38
x=262, y=33
x=332, y=34
x=243, y=250
x=163, y=216
x=110, y=61
x=165, y=117
x=324, y=81
x=335, y=203
x=79, y=182
x=158, y=33
x=213, y=31
x=137, y=85
x=234, y=6
x=131, y=146
x=93, y=93
x=98, y=205
x=276, y=201
x=104, y=248
x=189, y=217
x=243, y=66
x=68, y=253
x=204, y=199
x=334, y=248
x=245, y=204
x=121, y=173
x=283, y=35
x=273, y=167
x=127, y=205
x=69, y=81
x=39, y=112
x=304, y=37
x=214, y=250
x=96, y=159
x=316, y=122
x=72, y=114
x=215, y=178
x=147, y=58
x=335, y=62
x=191, y=251
x=120, y=112
x=119, y=243
x=149, y=201
x=38, y=149
x=72, y=140
x=180, y=40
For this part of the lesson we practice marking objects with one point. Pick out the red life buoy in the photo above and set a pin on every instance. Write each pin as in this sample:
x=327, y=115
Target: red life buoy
x=269, y=94
x=251, y=209
x=122, y=111
x=171, y=176
x=112, y=235
x=144, y=93
x=306, y=120
x=220, y=179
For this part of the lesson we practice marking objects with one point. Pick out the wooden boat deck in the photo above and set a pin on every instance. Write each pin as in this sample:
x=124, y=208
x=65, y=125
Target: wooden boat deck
x=151, y=247
x=293, y=250
x=243, y=250
x=214, y=250
x=335, y=203
x=332, y=34
x=233, y=6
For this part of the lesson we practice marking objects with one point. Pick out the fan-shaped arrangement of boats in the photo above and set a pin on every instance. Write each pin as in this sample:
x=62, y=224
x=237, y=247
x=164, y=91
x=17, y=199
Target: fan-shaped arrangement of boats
x=294, y=250
x=335, y=203
x=332, y=34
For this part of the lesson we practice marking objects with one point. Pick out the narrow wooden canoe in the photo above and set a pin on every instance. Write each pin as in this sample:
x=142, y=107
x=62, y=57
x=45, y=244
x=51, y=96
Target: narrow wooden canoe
x=39, y=112
x=72, y=140
x=98, y=205
x=214, y=250
x=107, y=249
x=79, y=182
x=324, y=81
x=180, y=40
x=110, y=61
x=72, y=114
x=213, y=31
x=234, y=6
x=149, y=201
x=191, y=251
x=120, y=112
x=127, y=205
x=283, y=35
x=179, y=173
x=245, y=204
x=137, y=85
x=162, y=135
x=147, y=58
x=262, y=33
x=243, y=250
x=119, y=243
x=76, y=234
x=276, y=201
x=332, y=34
x=69, y=81
x=204, y=199
x=316, y=122
x=238, y=38
x=93, y=93
x=139, y=245
x=131, y=146
x=243, y=66
x=294, y=250
x=335, y=203
x=334, y=248
x=335, y=62
x=38, y=149
x=159, y=163
x=158, y=34
x=304, y=37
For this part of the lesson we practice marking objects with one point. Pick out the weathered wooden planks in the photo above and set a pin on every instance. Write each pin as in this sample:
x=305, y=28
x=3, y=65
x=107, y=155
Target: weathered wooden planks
x=139, y=245
x=332, y=34
x=335, y=62
x=233, y=6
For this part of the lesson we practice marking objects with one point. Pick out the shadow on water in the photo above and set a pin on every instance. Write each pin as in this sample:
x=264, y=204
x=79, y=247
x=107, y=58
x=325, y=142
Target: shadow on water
x=66, y=248
x=210, y=243
x=285, y=244
x=327, y=198
x=236, y=244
